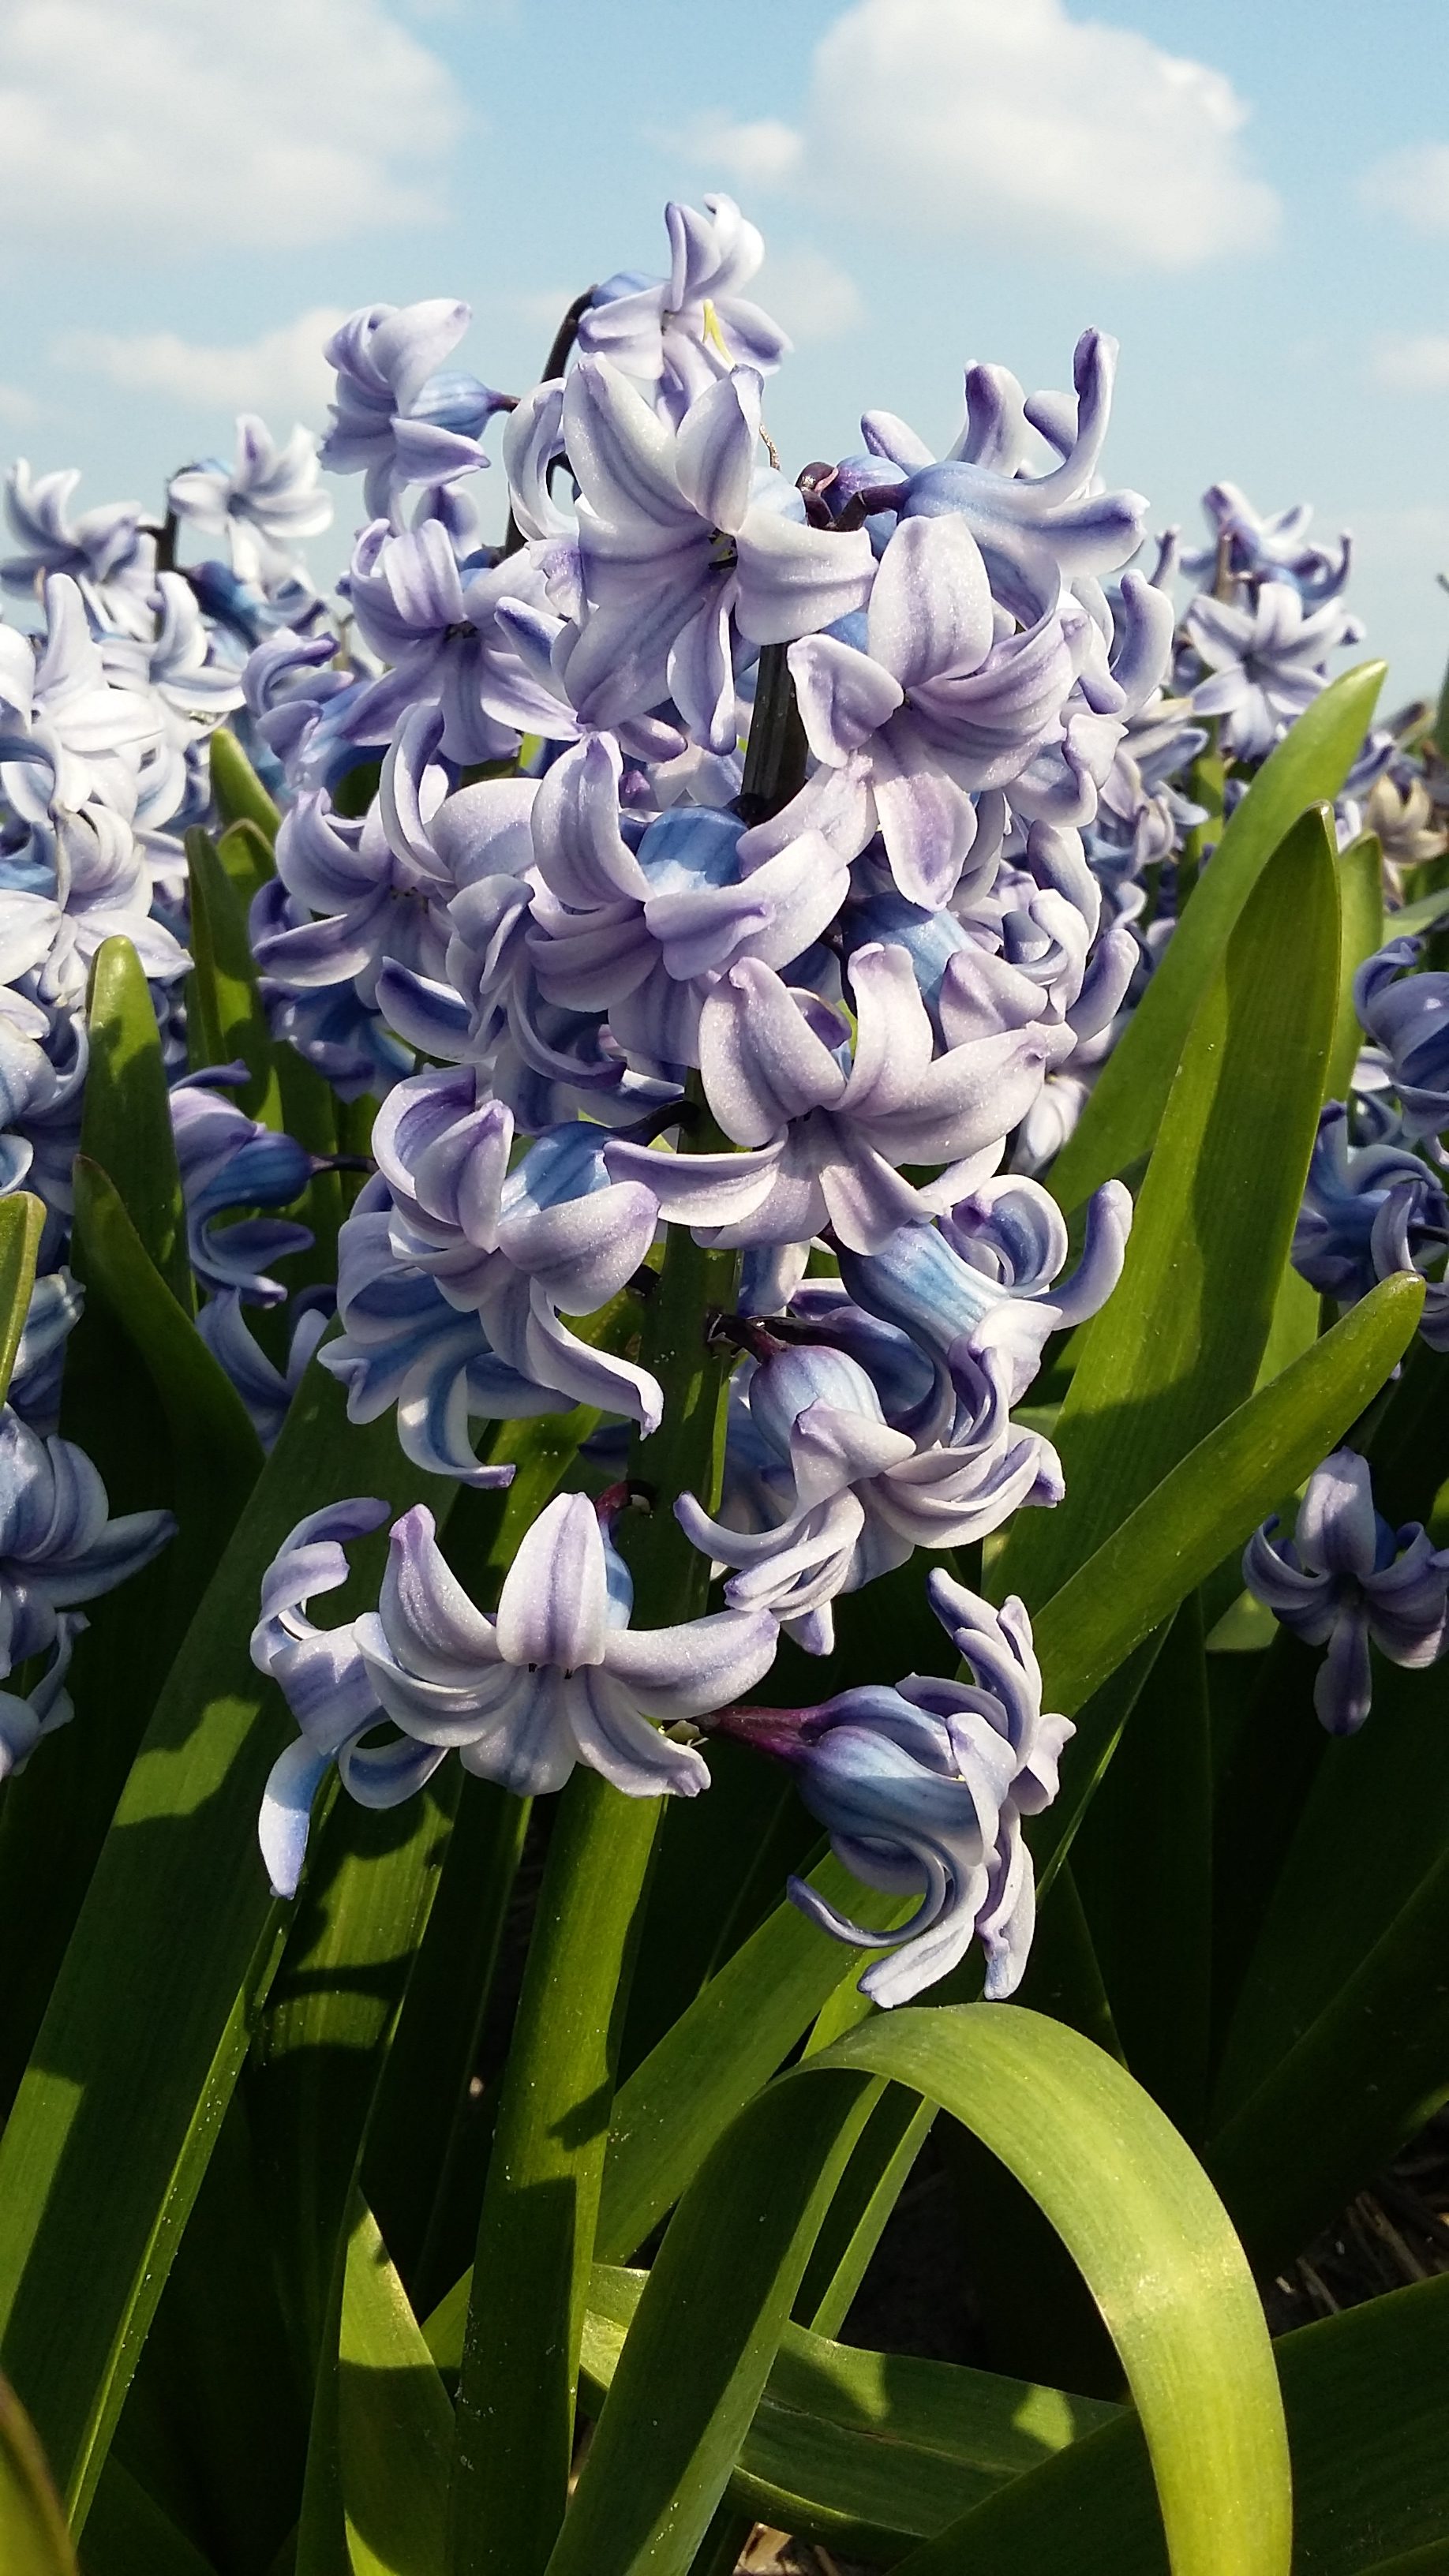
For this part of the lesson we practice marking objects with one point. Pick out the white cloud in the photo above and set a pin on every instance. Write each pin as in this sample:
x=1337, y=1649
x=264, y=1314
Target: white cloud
x=282, y=375
x=1018, y=128
x=183, y=126
x=753, y=156
x=17, y=405
x=1412, y=183
x=808, y=295
x=1414, y=362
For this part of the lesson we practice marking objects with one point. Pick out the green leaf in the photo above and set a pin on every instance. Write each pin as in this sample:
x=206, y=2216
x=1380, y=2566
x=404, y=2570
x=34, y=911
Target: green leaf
x=249, y=860
x=170, y=1961
x=359, y=1917
x=33, y=2537
x=719, y=2053
x=864, y=2451
x=22, y=1219
x=216, y=1454
x=127, y=2534
x=1308, y=766
x=226, y=1018
x=1144, y=1857
x=1361, y=891
x=1180, y=1340
x=1133, y=2207
x=1365, y=2395
x=1353, y=1801
x=1211, y=1502
x=516, y=2394
x=1368, y=2071
x=126, y=1125
x=395, y=2425
x=239, y=794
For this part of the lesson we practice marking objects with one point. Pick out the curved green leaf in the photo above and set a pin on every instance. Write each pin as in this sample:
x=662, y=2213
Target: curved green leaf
x=171, y=1958
x=22, y=1220
x=394, y=2422
x=865, y=2451
x=536, y=2230
x=239, y=794
x=1365, y=2394
x=1308, y=766
x=226, y=1018
x=1361, y=891
x=1180, y=1340
x=1133, y=2207
x=1209, y=1504
x=216, y=1452
x=126, y=1123
x=33, y=2537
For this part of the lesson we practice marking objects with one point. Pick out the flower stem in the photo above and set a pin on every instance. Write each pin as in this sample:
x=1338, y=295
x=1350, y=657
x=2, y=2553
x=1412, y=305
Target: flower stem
x=515, y=2423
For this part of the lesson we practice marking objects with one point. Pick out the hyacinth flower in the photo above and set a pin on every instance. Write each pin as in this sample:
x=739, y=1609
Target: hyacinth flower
x=981, y=1286
x=1407, y=1018
x=940, y=697
x=454, y=1272
x=403, y=1347
x=824, y=1125
x=105, y=551
x=1270, y=546
x=682, y=539
x=321, y=1676
x=679, y=333
x=640, y=927
x=1368, y=1211
x=228, y=1160
x=1345, y=1578
x=59, y=1547
x=463, y=633
x=54, y=1311
x=858, y=1495
x=1266, y=662
x=922, y=1789
x=265, y=1389
x=556, y=1677
x=399, y=416
x=262, y=503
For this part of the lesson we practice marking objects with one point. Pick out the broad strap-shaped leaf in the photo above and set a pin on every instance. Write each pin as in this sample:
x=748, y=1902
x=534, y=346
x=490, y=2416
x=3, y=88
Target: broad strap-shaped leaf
x=34, y=2540
x=236, y=789
x=745, y=2021
x=1365, y=2395
x=226, y=1017
x=1308, y=766
x=126, y=1123
x=395, y=2425
x=1209, y=1504
x=1310, y=1941
x=720, y=2052
x=517, y=2389
x=22, y=1219
x=1361, y=895
x=216, y=1454
x=1130, y=2202
x=1366, y=2073
x=170, y=1961
x=1180, y=1340
x=323, y=2044
x=864, y=2451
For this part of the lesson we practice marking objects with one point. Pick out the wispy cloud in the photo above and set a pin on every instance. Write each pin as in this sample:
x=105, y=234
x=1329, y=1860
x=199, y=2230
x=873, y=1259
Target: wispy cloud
x=1024, y=128
x=282, y=372
x=185, y=126
x=1412, y=183
x=1414, y=362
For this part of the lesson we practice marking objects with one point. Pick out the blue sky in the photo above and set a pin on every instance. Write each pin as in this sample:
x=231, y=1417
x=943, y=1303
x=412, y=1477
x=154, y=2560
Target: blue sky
x=1254, y=199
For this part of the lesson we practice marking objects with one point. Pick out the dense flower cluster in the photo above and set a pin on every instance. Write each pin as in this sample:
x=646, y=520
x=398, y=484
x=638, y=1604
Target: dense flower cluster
x=774, y=856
